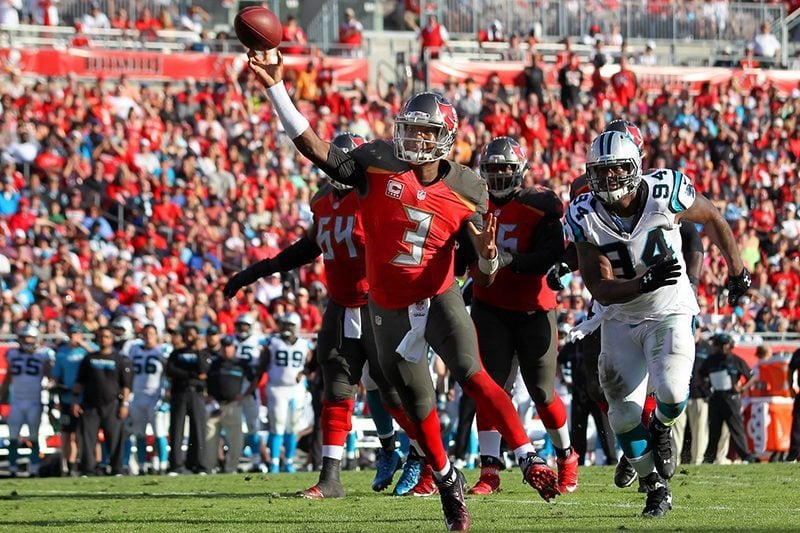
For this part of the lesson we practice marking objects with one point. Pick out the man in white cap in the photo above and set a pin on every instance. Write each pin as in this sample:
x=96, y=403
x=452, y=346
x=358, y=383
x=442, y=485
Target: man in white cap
x=350, y=34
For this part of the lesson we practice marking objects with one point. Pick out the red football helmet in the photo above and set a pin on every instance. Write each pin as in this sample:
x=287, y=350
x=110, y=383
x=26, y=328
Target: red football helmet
x=428, y=110
x=626, y=126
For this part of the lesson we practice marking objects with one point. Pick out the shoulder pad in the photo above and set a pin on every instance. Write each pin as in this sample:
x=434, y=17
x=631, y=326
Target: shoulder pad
x=466, y=183
x=542, y=199
x=579, y=186
x=672, y=188
x=323, y=191
x=377, y=154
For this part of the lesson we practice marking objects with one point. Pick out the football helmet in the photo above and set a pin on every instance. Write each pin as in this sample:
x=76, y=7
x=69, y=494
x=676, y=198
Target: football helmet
x=122, y=328
x=28, y=337
x=611, y=150
x=503, y=165
x=289, y=325
x=429, y=110
x=346, y=141
x=244, y=326
x=626, y=126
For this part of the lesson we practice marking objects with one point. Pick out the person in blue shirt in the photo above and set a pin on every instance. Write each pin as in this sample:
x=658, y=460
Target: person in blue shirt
x=68, y=358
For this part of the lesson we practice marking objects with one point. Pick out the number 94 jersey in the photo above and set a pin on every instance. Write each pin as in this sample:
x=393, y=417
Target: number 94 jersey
x=655, y=236
x=286, y=360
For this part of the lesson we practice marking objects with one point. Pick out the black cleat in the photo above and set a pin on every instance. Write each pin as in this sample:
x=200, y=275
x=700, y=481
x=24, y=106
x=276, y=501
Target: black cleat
x=659, y=497
x=451, y=491
x=624, y=474
x=664, y=450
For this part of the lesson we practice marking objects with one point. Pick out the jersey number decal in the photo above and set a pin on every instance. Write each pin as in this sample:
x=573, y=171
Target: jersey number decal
x=245, y=352
x=342, y=232
x=504, y=242
x=146, y=365
x=32, y=367
x=282, y=359
x=416, y=237
x=655, y=248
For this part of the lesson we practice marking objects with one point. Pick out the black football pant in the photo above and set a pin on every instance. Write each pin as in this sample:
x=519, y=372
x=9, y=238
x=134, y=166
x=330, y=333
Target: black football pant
x=342, y=359
x=449, y=332
x=187, y=403
x=725, y=407
x=794, y=443
x=582, y=407
x=530, y=336
x=93, y=419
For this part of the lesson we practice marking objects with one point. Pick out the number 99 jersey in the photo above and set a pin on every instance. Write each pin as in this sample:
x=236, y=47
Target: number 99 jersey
x=655, y=236
x=286, y=361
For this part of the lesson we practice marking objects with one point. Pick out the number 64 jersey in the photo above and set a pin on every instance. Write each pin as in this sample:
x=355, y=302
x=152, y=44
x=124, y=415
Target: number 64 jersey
x=655, y=235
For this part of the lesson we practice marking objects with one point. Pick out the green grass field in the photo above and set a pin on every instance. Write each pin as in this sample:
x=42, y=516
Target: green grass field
x=762, y=497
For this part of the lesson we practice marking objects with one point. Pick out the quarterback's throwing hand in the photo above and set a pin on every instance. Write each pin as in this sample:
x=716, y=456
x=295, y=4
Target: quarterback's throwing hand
x=268, y=72
x=665, y=272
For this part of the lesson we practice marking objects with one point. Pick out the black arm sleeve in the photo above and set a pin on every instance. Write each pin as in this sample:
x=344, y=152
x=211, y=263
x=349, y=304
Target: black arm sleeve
x=125, y=373
x=301, y=252
x=342, y=168
x=571, y=256
x=548, y=249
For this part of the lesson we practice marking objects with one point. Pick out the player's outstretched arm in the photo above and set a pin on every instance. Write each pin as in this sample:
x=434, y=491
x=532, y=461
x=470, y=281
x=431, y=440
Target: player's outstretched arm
x=598, y=275
x=692, y=251
x=327, y=157
x=703, y=212
x=301, y=252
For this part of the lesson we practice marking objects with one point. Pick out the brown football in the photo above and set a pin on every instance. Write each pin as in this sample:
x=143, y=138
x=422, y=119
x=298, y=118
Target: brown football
x=258, y=28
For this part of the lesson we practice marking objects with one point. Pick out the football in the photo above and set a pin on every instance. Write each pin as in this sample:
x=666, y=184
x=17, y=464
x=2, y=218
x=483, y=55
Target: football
x=258, y=28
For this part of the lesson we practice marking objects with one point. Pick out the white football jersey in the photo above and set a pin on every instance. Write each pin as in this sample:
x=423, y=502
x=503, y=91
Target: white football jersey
x=249, y=350
x=287, y=360
x=653, y=236
x=27, y=370
x=148, y=369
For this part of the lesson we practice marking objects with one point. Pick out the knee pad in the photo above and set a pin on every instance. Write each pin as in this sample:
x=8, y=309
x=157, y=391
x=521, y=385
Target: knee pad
x=624, y=416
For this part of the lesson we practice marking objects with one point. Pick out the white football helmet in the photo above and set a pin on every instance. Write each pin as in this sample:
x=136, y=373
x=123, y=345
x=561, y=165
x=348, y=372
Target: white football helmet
x=122, y=328
x=609, y=150
x=244, y=326
x=28, y=337
x=430, y=110
x=289, y=325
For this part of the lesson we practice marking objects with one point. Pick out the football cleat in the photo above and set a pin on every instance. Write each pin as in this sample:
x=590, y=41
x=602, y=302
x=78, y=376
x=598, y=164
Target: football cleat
x=489, y=482
x=426, y=486
x=289, y=468
x=538, y=475
x=568, y=472
x=409, y=477
x=451, y=492
x=659, y=496
x=388, y=463
x=664, y=450
x=324, y=489
x=624, y=473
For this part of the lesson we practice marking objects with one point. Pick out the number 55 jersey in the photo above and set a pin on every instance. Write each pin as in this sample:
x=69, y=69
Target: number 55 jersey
x=634, y=244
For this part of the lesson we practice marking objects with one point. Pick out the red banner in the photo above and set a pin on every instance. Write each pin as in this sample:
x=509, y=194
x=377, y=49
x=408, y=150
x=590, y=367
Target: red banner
x=158, y=66
x=651, y=78
x=768, y=424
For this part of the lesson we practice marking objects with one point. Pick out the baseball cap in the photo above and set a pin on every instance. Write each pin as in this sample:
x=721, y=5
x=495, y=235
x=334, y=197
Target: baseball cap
x=302, y=291
x=75, y=328
x=212, y=330
x=227, y=340
x=350, y=12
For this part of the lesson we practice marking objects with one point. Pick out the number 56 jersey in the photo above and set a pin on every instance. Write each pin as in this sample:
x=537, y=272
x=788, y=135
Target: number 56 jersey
x=655, y=235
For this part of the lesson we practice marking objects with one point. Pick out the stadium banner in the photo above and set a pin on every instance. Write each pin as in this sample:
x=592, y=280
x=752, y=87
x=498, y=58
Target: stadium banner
x=157, y=65
x=652, y=79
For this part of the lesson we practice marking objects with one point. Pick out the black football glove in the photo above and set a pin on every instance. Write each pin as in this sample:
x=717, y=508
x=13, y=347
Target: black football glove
x=665, y=272
x=737, y=286
x=554, y=276
x=249, y=275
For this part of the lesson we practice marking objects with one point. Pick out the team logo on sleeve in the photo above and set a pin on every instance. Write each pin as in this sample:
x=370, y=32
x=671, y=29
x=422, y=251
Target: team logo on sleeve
x=394, y=189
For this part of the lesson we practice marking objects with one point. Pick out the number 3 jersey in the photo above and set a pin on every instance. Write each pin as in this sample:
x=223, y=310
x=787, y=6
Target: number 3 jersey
x=286, y=360
x=340, y=236
x=27, y=370
x=655, y=235
x=410, y=228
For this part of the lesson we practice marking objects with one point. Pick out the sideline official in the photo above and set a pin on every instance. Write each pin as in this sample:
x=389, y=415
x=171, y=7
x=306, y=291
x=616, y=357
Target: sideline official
x=104, y=379
x=187, y=367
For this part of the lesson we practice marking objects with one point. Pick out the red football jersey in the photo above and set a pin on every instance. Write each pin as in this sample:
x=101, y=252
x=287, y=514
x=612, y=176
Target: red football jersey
x=517, y=221
x=411, y=229
x=340, y=236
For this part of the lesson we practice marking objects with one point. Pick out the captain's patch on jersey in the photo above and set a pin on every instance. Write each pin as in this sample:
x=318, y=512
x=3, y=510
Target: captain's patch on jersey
x=394, y=189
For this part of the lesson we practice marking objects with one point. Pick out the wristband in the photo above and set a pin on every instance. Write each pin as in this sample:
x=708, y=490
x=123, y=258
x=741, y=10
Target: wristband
x=125, y=404
x=293, y=121
x=488, y=266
